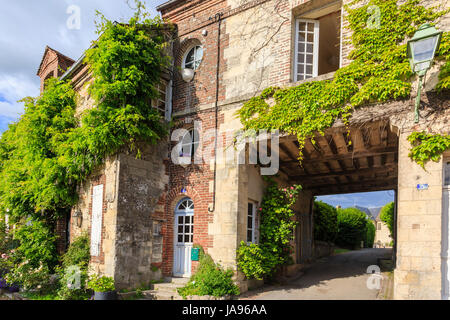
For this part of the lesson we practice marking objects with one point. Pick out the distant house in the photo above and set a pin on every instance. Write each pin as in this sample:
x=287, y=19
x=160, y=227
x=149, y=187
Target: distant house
x=383, y=237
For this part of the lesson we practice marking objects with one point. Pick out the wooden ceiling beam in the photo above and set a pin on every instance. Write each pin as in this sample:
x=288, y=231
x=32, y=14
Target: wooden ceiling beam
x=387, y=168
x=376, y=151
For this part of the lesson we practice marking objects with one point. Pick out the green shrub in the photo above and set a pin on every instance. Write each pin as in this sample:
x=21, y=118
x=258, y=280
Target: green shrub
x=35, y=258
x=101, y=283
x=255, y=260
x=276, y=229
x=325, y=222
x=210, y=279
x=352, y=227
x=370, y=234
x=74, y=271
x=387, y=216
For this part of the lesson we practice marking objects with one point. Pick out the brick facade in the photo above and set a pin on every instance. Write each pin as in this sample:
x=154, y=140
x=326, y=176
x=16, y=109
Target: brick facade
x=256, y=50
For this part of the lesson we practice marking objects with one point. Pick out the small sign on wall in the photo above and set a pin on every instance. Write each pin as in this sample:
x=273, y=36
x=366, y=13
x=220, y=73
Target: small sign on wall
x=195, y=254
x=422, y=186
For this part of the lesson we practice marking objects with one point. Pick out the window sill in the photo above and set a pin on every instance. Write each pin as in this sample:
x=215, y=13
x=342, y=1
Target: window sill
x=326, y=76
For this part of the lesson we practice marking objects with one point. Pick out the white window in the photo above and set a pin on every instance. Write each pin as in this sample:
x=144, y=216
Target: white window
x=189, y=144
x=160, y=102
x=306, y=49
x=96, y=223
x=251, y=223
x=193, y=58
x=185, y=221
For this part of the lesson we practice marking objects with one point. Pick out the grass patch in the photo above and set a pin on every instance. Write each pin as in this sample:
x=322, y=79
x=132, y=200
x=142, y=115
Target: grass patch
x=39, y=296
x=340, y=250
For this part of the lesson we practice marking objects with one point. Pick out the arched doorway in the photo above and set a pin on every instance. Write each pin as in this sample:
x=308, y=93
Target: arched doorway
x=184, y=236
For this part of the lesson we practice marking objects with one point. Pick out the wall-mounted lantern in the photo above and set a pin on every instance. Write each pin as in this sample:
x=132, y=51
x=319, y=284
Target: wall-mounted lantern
x=78, y=216
x=421, y=50
x=187, y=74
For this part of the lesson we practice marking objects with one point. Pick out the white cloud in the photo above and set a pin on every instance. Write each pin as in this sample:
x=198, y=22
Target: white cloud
x=12, y=89
x=28, y=26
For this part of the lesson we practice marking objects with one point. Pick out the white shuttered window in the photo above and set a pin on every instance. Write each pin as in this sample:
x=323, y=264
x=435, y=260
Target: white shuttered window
x=96, y=223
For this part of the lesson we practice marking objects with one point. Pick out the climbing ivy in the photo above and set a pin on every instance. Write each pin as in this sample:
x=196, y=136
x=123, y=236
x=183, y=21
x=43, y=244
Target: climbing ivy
x=379, y=72
x=260, y=260
x=51, y=149
x=427, y=146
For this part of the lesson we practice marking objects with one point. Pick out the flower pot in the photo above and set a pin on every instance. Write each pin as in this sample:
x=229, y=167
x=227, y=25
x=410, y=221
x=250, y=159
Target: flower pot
x=13, y=288
x=109, y=295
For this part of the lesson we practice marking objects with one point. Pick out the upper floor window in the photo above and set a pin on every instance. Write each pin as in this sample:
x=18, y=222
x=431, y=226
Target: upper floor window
x=163, y=102
x=307, y=49
x=189, y=143
x=317, y=43
x=193, y=58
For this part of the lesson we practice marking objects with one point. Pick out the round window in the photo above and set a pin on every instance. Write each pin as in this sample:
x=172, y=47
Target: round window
x=193, y=58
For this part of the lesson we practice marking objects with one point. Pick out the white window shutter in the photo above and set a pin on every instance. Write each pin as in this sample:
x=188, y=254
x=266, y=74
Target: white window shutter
x=96, y=223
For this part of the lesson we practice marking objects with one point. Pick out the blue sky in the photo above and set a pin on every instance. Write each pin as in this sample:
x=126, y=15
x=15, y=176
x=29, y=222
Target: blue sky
x=28, y=26
x=362, y=199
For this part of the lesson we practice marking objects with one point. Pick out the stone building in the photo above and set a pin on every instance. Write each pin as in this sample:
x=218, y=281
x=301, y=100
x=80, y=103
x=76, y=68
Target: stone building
x=382, y=234
x=145, y=214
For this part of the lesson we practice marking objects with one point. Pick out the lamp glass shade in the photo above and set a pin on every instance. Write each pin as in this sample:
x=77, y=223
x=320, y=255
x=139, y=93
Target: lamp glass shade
x=423, y=50
x=187, y=74
x=422, y=47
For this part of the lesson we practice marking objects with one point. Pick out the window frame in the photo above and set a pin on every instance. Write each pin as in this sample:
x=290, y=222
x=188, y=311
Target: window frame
x=446, y=173
x=315, y=64
x=193, y=47
x=193, y=141
x=253, y=227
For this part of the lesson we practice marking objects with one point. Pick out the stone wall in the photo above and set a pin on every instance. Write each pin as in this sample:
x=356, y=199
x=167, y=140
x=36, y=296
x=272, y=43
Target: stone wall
x=323, y=249
x=138, y=248
x=418, y=271
x=382, y=235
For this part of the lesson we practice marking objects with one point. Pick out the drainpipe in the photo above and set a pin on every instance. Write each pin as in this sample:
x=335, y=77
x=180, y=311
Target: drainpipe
x=218, y=18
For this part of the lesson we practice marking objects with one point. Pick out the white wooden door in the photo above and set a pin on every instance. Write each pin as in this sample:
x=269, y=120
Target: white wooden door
x=184, y=236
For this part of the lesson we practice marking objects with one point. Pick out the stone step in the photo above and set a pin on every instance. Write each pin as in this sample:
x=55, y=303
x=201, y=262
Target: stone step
x=161, y=295
x=167, y=287
x=176, y=280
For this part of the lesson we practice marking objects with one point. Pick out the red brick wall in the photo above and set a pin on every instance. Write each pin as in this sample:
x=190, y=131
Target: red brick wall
x=192, y=18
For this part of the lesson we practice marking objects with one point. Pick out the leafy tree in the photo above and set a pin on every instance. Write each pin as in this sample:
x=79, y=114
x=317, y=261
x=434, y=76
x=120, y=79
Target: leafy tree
x=370, y=235
x=50, y=150
x=387, y=216
x=325, y=222
x=352, y=227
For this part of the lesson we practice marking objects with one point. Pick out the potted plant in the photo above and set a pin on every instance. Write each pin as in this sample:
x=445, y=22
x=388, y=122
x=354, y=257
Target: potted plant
x=103, y=287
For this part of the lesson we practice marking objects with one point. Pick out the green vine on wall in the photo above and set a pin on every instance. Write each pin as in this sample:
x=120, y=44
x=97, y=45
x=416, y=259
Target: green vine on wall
x=260, y=260
x=51, y=149
x=379, y=72
x=427, y=146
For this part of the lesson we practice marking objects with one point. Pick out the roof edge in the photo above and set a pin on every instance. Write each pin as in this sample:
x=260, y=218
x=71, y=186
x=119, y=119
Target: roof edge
x=166, y=4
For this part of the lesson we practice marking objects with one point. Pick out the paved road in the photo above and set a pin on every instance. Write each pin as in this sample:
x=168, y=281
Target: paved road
x=342, y=276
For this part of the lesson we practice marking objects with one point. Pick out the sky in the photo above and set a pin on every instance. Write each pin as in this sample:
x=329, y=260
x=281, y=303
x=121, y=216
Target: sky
x=363, y=199
x=27, y=26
